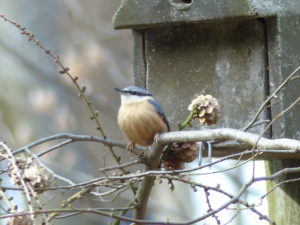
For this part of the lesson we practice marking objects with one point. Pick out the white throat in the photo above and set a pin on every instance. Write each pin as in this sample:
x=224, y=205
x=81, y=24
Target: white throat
x=127, y=99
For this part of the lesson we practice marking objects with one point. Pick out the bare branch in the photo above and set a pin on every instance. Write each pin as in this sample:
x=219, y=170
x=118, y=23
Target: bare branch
x=70, y=138
x=240, y=141
x=145, y=187
x=225, y=134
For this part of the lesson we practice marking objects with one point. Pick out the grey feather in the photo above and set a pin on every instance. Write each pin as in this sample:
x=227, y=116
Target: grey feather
x=159, y=111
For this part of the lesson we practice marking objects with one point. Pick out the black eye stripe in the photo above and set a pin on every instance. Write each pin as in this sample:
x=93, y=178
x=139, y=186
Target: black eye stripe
x=138, y=93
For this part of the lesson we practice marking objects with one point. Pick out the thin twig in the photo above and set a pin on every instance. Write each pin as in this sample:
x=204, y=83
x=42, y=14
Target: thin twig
x=120, y=166
x=276, y=118
x=209, y=206
x=53, y=174
x=277, y=185
x=59, y=145
x=273, y=95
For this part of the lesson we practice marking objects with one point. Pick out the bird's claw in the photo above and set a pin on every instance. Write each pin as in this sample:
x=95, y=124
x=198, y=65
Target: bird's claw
x=130, y=147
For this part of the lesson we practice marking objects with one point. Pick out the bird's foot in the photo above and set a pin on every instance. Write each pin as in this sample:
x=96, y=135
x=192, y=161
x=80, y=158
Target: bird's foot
x=130, y=147
x=143, y=155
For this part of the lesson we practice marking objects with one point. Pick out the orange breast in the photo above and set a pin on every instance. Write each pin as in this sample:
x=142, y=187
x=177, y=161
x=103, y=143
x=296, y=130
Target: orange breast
x=140, y=122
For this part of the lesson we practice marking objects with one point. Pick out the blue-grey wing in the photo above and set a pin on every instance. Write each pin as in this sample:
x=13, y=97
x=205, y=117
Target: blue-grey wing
x=159, y=111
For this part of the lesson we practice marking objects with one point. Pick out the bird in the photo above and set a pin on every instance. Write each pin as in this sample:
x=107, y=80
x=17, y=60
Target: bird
x=140, y=116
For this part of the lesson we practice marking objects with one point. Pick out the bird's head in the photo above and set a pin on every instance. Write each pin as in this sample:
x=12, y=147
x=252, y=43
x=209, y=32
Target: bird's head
x=133, y=94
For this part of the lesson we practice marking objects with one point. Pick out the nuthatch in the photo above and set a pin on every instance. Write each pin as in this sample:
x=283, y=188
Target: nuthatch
x=140, y=116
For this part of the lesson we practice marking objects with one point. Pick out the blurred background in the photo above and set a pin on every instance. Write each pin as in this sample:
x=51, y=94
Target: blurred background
x=36, y=101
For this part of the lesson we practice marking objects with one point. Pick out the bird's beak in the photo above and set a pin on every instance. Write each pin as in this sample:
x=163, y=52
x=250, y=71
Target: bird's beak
x=120, y=90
